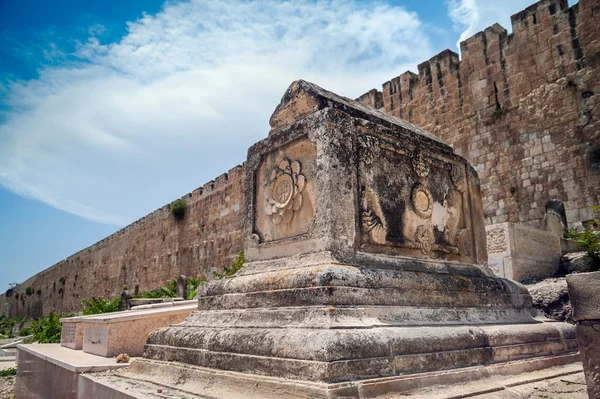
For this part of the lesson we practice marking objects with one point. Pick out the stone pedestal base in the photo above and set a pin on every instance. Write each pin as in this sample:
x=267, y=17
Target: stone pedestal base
x=365, y=244
x=312, y=318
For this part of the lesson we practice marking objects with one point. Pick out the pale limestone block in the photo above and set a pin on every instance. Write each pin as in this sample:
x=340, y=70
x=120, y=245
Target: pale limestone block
x=520, y=252
x=126, y=332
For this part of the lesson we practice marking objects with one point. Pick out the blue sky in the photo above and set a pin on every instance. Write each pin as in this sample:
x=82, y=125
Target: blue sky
x=110, y=109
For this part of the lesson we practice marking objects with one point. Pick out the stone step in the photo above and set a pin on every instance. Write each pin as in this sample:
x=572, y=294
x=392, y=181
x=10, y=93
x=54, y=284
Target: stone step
x=317, y=355
x=505, y=387
x=147, y=378
x=353, y=317
x=52, y=371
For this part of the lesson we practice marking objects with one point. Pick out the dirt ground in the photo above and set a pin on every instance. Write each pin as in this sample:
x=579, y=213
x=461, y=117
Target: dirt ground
x=7, y=387
x=566, y=387
x=569, y=387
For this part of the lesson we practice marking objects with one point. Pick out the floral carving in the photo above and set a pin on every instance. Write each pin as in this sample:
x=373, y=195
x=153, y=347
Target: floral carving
x=425, y=238
x=420, y=165
x=284, y=193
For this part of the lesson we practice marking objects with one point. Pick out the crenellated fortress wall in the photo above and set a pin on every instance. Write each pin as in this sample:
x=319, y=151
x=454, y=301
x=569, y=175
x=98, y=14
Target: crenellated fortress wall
x=523, y=108
x=145, y=254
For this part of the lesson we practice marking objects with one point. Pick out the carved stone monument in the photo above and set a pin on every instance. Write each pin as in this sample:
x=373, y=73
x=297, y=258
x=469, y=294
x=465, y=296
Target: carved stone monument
x=555, y=218
x=366, y=258
x=182, y=287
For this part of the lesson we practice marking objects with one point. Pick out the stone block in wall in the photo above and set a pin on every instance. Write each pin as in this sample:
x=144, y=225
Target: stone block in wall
x=519, y=252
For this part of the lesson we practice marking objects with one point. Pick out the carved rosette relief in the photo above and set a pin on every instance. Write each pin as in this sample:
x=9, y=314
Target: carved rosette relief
x=422, y=201
x=283, y=194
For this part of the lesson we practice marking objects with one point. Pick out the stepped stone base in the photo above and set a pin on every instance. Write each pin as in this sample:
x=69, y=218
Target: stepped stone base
x=324, y=321
x=427, y=348
x=152, y=378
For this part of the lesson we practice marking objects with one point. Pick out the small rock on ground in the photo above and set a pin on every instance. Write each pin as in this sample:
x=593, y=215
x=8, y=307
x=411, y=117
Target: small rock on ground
x=575, y=262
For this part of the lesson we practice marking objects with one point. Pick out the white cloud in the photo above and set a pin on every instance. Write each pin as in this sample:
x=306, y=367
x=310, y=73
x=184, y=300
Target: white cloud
x=472, y=16
x=181, y=96
x=465, y=16
x=96, y=30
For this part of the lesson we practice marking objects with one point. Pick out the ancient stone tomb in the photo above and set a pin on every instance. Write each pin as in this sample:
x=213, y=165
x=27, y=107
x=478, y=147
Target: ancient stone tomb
x=366, y=261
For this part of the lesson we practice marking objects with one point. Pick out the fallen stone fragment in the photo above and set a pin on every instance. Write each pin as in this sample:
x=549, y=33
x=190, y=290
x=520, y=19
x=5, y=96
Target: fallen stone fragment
x=123, y=358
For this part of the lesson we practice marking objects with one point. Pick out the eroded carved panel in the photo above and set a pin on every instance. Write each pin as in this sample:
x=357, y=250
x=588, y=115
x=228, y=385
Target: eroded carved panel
x=283, y=193
x=413, y=202
x=284, y=200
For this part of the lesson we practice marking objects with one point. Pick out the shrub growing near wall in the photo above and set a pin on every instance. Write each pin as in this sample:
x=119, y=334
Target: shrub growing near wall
x=8, y=372
x=24, y=332
x=235, y=266
x=46, y=330
x=178, y=209
x=169, y=290
x=7, y=325
x=589, y=241
x=192, y=286
x=97, y=306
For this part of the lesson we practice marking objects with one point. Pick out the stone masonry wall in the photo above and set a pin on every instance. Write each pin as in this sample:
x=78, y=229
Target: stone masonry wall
x=523, y=108
x=147, y=253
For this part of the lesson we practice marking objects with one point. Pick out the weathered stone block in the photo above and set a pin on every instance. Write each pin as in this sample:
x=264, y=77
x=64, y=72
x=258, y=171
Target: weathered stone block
x=126, y=332
x=519, y=252
x=584, y=293
x=71, y=335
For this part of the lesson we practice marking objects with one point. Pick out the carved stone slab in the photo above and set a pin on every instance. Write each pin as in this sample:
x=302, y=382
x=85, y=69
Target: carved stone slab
x=412, y=202
x=285, y=198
